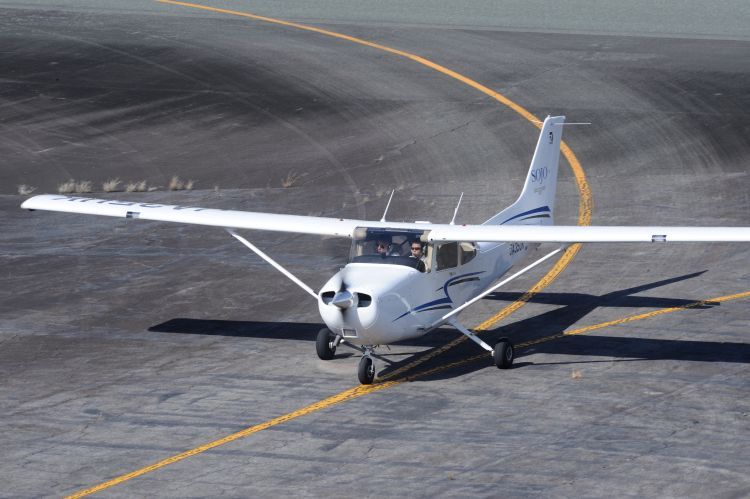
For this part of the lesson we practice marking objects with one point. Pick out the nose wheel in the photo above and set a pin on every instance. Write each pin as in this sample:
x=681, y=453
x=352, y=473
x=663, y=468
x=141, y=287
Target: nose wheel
x=366, y=369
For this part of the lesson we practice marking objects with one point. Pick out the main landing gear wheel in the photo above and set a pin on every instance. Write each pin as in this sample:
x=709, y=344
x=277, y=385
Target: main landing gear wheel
x=366, y=370
x=324, y=344
x=503, y=354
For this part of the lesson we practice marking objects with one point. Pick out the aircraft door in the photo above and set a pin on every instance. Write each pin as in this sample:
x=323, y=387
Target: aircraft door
x=446, y=256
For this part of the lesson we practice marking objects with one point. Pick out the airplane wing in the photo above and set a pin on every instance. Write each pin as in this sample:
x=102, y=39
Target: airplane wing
x=231, y=219
x=588, y=234
x=343, y=227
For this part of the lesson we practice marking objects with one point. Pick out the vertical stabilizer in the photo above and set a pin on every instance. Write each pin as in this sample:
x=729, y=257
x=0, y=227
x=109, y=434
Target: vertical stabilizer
x=536, y=204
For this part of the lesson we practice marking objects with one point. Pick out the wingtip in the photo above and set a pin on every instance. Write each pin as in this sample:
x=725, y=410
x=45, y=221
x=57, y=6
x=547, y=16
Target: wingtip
x=29, y=203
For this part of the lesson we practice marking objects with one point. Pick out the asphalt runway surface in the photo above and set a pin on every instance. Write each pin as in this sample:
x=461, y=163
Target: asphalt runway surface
x=126, y=343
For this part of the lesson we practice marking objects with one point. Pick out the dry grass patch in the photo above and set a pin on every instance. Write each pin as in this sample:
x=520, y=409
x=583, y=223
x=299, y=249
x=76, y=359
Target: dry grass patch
x=71, y=186
x=25, y=190
x=68, y=187
x=136, y=186
x=177, y=184
x=291, y=179
x=111, y=185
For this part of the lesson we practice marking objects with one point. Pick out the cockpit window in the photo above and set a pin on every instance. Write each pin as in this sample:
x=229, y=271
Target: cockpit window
x=468, y=252
x=387, y=246
x=447, y=255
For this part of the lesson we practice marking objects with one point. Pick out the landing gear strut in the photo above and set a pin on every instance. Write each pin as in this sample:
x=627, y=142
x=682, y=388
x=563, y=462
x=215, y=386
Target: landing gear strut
x=366, y=370
x=503, y=353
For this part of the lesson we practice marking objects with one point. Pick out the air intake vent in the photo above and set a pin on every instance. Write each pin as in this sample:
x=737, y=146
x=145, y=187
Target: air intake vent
x=363, y=300
x=327, y=296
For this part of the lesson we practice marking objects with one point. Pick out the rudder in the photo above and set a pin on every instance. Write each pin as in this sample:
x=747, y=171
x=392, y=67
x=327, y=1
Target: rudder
x=536, y=204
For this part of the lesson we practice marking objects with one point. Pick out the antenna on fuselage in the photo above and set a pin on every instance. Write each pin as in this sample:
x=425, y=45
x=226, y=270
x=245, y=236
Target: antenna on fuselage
x=455, y=212
x=388, y=205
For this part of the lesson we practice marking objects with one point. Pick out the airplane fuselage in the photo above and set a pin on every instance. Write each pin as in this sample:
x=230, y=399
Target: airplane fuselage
x=394, y=302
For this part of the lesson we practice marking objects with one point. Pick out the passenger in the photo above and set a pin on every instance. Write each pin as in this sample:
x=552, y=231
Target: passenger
x=385, y=247
x=382, y=247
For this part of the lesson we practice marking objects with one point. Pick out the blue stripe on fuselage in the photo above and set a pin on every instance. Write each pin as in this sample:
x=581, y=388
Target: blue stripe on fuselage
x=535, y=210
x=446, y=301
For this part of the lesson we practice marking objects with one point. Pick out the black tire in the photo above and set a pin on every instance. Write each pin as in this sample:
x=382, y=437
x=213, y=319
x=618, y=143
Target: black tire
x=503, y=354
x=366, y=371
x=323, y=344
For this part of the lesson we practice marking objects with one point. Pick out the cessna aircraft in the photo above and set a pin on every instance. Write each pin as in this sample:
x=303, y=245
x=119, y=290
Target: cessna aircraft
x=404, y=280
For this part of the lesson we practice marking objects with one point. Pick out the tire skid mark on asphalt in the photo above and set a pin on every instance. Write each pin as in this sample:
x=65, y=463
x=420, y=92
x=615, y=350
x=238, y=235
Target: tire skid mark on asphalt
x=584, y=218
x=359, y=391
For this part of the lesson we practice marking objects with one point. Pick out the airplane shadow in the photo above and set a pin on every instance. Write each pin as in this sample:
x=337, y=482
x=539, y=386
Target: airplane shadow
x=572, y=308
x=298, y=331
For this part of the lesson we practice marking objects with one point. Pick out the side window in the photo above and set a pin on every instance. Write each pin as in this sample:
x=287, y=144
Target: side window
x=468, y=252
x=447, y=256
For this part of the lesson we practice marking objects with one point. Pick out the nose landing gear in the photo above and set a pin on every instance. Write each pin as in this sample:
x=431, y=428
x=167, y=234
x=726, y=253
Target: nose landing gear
x=366, y=369
x=325, y=346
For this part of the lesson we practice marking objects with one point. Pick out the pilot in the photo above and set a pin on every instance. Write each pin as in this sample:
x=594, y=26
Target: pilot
x=417, y=252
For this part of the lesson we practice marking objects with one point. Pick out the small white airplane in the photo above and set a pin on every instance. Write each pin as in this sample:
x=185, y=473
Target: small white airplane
x=404, y=280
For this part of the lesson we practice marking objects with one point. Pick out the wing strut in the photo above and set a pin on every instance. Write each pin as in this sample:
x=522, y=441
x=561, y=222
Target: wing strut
x=502, y=354
x=274, y=263
x=470, y=334
x=457, y=310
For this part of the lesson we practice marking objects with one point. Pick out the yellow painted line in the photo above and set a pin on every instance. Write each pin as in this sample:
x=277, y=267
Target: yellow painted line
x=545, y=281
x=584, y=218
x=585, y=202
x=421, y=60
x=637, y=317
x=582, y=330
x=362, y=390
x=349, y=394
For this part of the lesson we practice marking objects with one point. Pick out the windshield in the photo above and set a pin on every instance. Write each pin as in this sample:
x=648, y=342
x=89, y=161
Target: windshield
x=389, y=246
